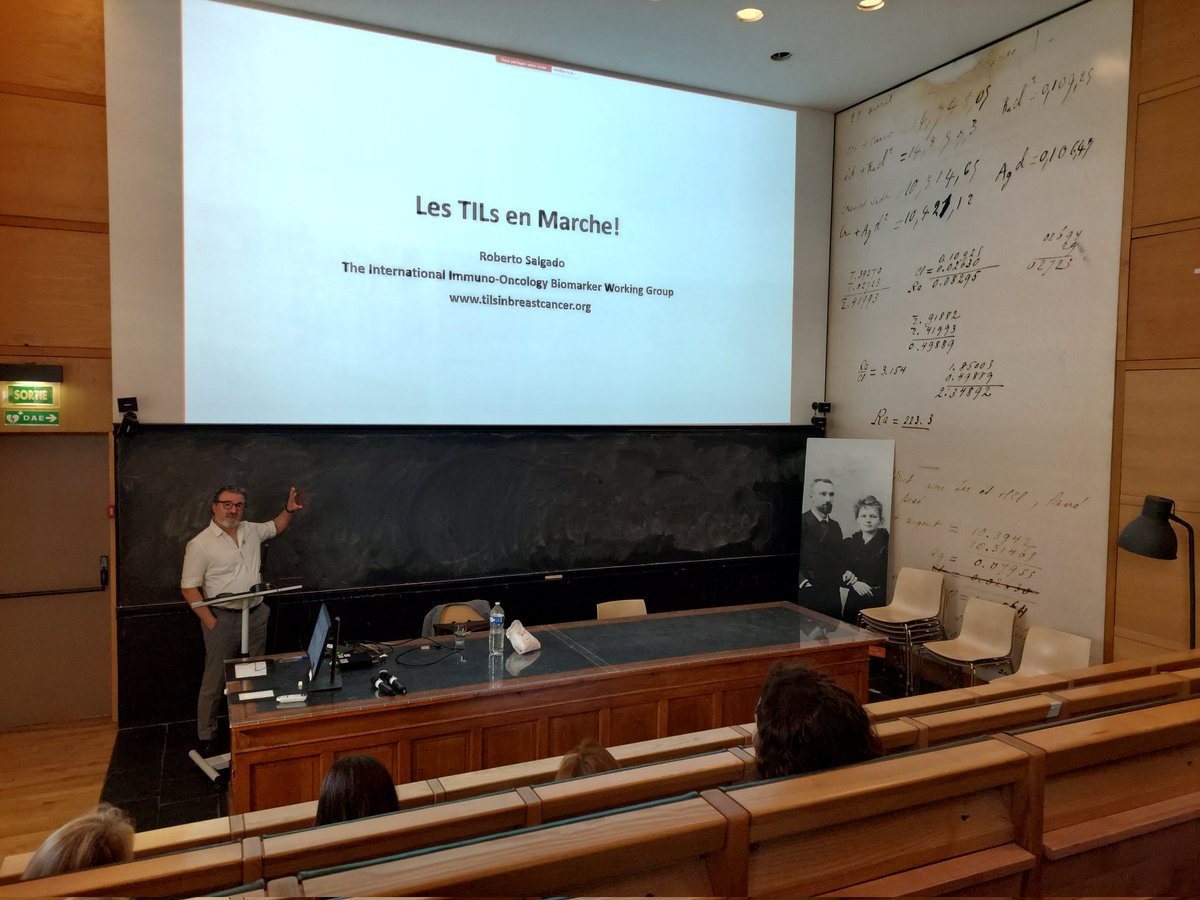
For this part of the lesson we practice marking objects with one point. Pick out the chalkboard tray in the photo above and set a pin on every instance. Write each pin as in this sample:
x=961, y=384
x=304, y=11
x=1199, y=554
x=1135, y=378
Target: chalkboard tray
x=412, y=505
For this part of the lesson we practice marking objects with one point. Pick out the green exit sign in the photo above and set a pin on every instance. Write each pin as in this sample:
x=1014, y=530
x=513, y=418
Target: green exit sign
x=30, y=395
x=31, y=417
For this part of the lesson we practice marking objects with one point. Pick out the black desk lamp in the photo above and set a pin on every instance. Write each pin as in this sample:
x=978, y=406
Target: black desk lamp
x=1151, y=534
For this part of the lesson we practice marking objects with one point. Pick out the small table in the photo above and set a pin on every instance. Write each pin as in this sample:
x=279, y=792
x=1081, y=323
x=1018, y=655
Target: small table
x=617, y=680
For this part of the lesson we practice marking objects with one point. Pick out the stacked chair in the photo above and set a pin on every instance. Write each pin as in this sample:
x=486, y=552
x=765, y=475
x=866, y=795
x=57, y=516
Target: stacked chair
x=985, y=639
x=910, y=619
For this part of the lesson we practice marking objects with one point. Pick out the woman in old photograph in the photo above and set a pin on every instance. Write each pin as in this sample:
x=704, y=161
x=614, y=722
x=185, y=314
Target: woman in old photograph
x=865, y=556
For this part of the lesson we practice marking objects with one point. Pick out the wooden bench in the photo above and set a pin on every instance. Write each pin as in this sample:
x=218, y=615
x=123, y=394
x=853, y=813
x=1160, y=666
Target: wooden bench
x=473, y=817
x=296, y=816
x=845, y=829
x=1121, y=802
x=272, y=856
x=677, y=848
x=197, y=871
x=812, y=833
x=270, y=844
x=1006, y=688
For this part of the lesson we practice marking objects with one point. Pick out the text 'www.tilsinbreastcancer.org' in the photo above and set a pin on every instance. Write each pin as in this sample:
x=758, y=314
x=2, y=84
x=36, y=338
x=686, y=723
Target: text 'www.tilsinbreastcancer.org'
x=509, y=300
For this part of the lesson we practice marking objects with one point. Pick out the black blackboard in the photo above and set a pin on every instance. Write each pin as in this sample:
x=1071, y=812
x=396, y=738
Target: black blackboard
x=394, y=506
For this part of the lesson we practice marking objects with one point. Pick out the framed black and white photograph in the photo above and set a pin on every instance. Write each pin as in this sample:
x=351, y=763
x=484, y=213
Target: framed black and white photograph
x=846, y=526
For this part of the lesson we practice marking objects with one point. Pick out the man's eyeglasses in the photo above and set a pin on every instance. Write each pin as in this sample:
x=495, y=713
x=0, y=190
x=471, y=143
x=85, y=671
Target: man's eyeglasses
x=231, y=504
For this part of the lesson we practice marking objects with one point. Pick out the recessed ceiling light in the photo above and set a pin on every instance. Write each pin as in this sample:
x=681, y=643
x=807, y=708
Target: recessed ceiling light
x=781, y=55
x=749, y=14
x=870, y=5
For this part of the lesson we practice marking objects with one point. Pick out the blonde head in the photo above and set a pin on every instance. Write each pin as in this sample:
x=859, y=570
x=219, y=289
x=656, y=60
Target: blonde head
x=97, y=838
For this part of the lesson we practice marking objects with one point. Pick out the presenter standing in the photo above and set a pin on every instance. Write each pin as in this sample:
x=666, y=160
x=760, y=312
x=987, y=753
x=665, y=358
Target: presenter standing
x=226, y=558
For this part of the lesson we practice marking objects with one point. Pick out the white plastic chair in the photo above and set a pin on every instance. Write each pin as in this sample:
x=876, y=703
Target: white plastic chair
x=1048, y=651
x=985, y=639
x=911, y=617
x=615, y=609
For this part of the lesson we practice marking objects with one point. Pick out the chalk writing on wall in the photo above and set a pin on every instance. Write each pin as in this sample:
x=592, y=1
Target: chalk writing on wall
x=972, y=314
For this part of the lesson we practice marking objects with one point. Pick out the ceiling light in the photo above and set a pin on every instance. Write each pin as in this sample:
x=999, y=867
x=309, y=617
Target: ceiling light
x=749, y=14
x=870, y=5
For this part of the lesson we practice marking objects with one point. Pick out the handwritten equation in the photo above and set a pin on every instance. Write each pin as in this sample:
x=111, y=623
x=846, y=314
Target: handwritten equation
x=1075, y=151
x=982, y=193
x=944, y=179
x=972, y=379
x=863, y=288
x=1039, y=90
x=959, y=267
x=935, y=331
x=1066, y=248
x=1008, y=496
x=916, y=421
x=867, y=370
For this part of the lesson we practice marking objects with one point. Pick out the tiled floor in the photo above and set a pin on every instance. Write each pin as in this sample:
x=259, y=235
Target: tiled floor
x=152, y=778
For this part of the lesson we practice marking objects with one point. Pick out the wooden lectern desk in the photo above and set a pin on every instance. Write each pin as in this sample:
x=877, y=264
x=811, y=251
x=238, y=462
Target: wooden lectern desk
x=617, y=680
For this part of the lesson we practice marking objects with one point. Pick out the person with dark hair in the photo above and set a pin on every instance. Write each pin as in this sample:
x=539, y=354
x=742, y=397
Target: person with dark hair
x=98, y=838
x=821, y=552
x=807, y=722
x=355, y=787
x=586, y=759
x=226, y=558
x=865, y=555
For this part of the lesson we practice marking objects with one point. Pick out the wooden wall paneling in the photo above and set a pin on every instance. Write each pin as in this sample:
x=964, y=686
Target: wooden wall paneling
x=112, y=578
x=54, y=289
x=55, y=527
x=632, y=722
x=566, y=731
x=54, y=285
x=1166, y=180
x=55, y=159
x=511, y=742
x=1170, y=36
x=86, y=396
x=1164, y=296
x=285, y=778
x=69, y=629
x=738, y=704
x=53, y=44
x=446, y=754
x=1156, y=409
x=1161, y=437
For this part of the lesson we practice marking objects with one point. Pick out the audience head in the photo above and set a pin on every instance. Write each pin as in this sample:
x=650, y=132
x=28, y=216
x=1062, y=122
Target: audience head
x=586, y=759
x=807, y=722
x=355, y=787
x=97, y=838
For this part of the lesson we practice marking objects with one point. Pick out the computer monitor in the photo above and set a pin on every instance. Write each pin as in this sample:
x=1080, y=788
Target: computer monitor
x=316, y=653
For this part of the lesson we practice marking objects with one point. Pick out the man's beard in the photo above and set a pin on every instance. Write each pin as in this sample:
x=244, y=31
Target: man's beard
x=825, y=509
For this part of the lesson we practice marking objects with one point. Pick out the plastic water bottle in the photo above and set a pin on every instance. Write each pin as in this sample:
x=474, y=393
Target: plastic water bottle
x=496, y=631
